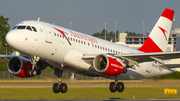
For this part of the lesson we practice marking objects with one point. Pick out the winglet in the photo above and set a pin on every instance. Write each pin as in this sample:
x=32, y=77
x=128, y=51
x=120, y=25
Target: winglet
x=158, y=38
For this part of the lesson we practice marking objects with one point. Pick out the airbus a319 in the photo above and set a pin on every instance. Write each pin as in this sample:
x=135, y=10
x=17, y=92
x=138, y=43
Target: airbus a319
x=66, y=50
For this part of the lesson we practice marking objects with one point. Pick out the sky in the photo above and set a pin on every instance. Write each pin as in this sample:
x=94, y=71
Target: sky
x=90, y=16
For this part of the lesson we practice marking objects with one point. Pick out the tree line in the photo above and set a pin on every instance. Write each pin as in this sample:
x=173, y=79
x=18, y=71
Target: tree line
x=4, y=29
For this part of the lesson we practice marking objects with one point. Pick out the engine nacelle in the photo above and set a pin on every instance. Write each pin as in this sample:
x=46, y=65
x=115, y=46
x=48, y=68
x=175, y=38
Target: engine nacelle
x=19, y=66
x=108, y=65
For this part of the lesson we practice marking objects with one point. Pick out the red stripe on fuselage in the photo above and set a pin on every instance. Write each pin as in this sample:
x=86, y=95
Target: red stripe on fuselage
x=63, y=34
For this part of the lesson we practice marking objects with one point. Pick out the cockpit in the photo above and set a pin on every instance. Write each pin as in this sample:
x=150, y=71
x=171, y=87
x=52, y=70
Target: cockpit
x=31, y=28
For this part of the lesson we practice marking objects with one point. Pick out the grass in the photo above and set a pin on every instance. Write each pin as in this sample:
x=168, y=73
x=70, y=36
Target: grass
x=84, y=93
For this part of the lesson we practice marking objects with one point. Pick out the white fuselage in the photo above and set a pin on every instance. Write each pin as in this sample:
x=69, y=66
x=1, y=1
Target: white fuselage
x=63, y=49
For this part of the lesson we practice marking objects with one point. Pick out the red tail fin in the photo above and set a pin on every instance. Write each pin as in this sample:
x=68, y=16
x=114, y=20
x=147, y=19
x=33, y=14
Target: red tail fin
x=158, y=38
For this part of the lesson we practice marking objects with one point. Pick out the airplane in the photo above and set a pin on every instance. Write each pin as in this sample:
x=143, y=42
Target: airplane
x=64, y=49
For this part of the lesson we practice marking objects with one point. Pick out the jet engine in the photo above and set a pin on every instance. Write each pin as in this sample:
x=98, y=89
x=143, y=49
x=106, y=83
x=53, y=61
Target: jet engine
x=108, y=65
x=20, y=66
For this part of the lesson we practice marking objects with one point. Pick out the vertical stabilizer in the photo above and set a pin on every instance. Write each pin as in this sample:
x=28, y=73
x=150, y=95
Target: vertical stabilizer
x=158, y=38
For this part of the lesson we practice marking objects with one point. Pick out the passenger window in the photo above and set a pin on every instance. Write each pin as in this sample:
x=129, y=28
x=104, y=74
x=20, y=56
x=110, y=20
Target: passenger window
x=57, y=35
x=34, y=29
x=54, y=34
x=21, y=27
x=28, y=28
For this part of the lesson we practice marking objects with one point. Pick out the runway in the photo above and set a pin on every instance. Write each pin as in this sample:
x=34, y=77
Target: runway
x=105, y=100
x=80, y=90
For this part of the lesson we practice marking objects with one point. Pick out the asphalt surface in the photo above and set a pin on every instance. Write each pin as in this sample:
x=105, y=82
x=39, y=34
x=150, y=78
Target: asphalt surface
x=105, y=100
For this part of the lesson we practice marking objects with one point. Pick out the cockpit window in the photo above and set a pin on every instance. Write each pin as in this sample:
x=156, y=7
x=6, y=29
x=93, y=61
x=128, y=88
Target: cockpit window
x=34, y=29
x=29, y=28
x=14, y=27
x=21, y=27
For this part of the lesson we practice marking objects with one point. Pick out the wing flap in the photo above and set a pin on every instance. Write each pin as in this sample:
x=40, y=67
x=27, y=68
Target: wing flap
x=145, y=57
x=168, y=66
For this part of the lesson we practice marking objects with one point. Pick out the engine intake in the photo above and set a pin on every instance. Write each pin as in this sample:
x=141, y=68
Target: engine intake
x=108, y=65
x=19, y=66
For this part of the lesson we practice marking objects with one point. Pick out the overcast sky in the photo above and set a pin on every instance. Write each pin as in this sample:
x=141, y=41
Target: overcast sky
x=90, y=16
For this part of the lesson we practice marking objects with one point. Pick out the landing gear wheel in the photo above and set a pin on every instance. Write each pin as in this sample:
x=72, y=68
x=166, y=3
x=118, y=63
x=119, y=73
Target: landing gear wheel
x=30, y=72
x=56, y=88
x=34, y=72
x=112, y=87
x=38, y=72
x=63, y=88
x=120, y=87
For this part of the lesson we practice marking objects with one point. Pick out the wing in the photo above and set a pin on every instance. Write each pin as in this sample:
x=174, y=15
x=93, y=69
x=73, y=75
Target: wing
x=136, y=58
x=6, y=56
x=145, y=57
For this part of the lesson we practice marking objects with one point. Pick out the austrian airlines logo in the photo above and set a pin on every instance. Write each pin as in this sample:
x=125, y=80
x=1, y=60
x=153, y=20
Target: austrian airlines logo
x=164, y=31
x=63, y=33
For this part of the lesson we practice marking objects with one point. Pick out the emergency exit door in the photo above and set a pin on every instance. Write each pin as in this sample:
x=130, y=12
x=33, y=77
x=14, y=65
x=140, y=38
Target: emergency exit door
x=48, y=33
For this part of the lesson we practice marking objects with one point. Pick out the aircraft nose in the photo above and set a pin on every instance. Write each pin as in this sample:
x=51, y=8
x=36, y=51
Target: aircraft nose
x=11, y=37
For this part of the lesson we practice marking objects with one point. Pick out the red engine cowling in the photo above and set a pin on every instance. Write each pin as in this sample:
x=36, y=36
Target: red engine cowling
x=19, y=66
x=108, y=65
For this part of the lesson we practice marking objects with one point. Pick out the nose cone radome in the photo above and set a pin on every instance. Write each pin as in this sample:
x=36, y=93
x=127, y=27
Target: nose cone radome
x=11, y=38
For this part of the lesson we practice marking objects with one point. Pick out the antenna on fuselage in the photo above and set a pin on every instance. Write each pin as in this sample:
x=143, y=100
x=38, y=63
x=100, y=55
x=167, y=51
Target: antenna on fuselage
x=38, y=19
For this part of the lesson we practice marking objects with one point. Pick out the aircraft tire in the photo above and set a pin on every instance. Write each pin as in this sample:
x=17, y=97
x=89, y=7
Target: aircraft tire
x=56, y=88
x=112, y=87
x=63, y=88
x=38, y=72
x=120, y=87
x=34, y=72
x=30, y=72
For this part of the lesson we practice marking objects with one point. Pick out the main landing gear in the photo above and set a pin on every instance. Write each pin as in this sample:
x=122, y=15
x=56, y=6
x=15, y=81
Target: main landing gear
x=116, y=86
x=59, y=87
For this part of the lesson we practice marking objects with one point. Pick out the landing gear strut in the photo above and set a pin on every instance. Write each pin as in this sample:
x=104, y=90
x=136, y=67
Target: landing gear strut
x=59, y=87
x=116, y=86
x=34, y=72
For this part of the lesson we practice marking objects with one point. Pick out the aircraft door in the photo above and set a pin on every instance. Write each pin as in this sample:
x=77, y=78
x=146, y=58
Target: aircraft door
x=92, y=44
x=48, y=33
